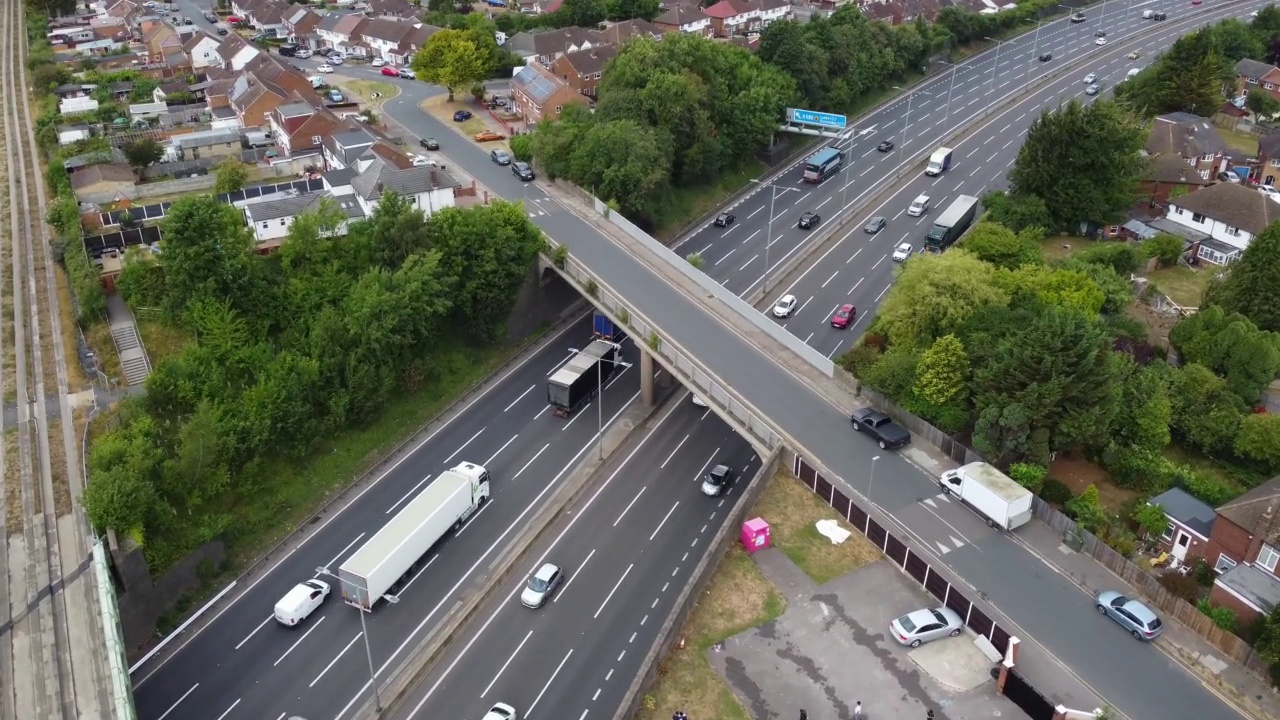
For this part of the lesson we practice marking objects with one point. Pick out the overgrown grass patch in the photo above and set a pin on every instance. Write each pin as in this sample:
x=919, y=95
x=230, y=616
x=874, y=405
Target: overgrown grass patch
x=163, y=341
x=738, y=597
x=792, y=512
x=682, y=206
x=1182, y=284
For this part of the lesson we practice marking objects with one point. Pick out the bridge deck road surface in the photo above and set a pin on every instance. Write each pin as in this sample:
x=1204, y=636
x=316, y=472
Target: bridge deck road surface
x=628, y=549
x=1137, y=679
x=242, y=664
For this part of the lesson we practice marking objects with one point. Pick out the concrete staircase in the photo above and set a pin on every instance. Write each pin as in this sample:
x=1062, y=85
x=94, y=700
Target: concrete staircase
x=133, y=358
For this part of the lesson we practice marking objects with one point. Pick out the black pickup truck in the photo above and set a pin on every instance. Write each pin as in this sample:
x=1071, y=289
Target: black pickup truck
x=888, y=434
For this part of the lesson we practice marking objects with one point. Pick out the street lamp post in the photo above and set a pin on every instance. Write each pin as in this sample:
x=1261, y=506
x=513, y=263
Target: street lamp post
x=773, y=198
x=364, y=633
x=600, y=399
x=952, y=88
x=906, y=123
x=996, y=64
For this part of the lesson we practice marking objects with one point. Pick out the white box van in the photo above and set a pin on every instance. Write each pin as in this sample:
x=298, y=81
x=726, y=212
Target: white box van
x=918, y=206
x=301, y=601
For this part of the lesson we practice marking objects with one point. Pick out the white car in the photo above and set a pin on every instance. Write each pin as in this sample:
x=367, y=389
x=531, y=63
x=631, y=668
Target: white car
x=501, y=711
x=902, y=252
x=785, y=306
x=301, y=601
x=419, y=161
x=335, y=59
x=697, y=401
x=302, y=54
x=1091, y=78
x=377, y=62
x=918, y=206
x=1269, y=192
x=1100, y=41
x=324, y=69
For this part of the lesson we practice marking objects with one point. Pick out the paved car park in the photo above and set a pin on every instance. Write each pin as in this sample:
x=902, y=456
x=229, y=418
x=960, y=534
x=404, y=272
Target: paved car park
x=832, y=649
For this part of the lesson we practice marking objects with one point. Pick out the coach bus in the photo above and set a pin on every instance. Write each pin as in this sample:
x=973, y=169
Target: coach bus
x=823, y=164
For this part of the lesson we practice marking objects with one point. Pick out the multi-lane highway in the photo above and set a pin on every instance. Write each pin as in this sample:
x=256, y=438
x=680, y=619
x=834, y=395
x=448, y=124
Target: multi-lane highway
x=1047, y=609
x=245, y=665
x=628, y=551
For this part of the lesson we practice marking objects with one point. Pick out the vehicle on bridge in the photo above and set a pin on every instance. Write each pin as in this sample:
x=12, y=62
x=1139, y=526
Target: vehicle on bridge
x=1003, y=503
x=887, y=433
x=939, y=162
x=951, y=224
x=582, y=377
x=391, y=556
x=823, y=164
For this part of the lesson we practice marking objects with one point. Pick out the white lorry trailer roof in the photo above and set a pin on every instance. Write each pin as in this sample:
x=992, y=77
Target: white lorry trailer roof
x=940, y=153
x=995, y=481
x=954, y=212
x=418, y=512
x=585, y=360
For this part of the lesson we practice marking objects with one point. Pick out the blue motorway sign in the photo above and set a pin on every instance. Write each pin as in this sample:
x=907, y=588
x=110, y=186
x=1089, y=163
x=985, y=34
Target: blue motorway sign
x=813, y=117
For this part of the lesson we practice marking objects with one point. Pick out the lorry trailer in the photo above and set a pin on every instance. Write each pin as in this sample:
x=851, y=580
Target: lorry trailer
x=939, y=162
x=392, y=555
x=1003, y=503
x=951, y=224
x=581, y=377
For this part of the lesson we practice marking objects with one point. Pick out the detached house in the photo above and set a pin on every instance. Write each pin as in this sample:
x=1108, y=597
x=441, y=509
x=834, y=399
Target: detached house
x=1252, y=75
x=268, y=16
x=1229, y=216
x=1239, y=540
x=413, y=42
x=1186, y=151
x=745, y=17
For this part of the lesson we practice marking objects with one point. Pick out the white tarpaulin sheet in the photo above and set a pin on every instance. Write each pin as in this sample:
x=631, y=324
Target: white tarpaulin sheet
x=831, y=530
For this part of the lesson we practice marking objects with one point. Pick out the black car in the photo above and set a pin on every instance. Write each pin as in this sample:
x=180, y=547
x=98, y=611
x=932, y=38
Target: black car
x=1100, y=33
x=211, y=17
x=222, y=31
x=724, y=220
x=522, y=171
x=1046, y=57
x=429, y=143
x=885, y=146
x=462, y=116
x=875, y=225
x=1078, y=17
x=808, y=220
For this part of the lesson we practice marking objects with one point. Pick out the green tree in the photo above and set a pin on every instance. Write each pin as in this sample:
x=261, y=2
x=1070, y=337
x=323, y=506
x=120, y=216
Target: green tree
x=1060, y=287
x=943, y=372
x=1259, y=440
x=1165, y=247
x=395, y=231
x=1151, y=519
x=1143, y=410
x=998, y=245
x=1054, y=163
x=522, y=147
x=143, y=153
x=1267, y=642
x=696, y=260
x=455, y=59
x=230, y=175
x=124, y=467
x=206, y=254
x=935, y=294
x=1016, y=213
x=1262, y=104
x=1028, y=475
x=623, y=162
x=581, y=13
x=1252, y=285
x=628, y=9
x=1088, y=511
x=1205, y=414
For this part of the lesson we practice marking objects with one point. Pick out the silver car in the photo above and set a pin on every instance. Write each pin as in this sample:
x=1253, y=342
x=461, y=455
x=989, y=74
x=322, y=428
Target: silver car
x=541, y=586
x=1132, y=615
x=922, y=626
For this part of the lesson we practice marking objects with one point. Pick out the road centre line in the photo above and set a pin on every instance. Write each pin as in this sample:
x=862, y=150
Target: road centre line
x=535, y=457
x=576, y=573
x=502, y=669
x=551, y=679
x=616, y=585
x=336, y=658
x=628, y=507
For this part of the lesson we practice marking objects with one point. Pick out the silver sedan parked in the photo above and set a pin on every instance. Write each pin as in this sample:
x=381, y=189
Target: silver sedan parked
x=1132, y=615
x=922, y=626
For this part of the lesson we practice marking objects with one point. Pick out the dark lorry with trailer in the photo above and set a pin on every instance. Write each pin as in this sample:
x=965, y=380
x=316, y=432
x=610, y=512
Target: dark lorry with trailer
x=578, y=380
x=887, y=433
x=951, y=224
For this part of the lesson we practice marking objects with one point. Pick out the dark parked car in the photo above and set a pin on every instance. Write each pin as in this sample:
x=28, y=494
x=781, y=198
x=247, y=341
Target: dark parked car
x=522, y=171
x=887, y=433
x=724, y=220
x=808, y=220
x=1046, y=57
x=885, y=146
x=462, y=116
x=875, y=224
x=429, y=143
x=222, y=30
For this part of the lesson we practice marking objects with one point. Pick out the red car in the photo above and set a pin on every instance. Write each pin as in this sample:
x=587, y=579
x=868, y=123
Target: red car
x=844, y=316
x=390, y=71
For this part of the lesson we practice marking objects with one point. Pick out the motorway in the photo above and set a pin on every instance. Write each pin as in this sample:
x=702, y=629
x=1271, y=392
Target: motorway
x=243, y=665
x=628, y=551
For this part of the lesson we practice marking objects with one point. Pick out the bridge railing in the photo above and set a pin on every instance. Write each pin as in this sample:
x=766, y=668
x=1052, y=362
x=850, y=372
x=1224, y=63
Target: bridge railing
x=679, y=362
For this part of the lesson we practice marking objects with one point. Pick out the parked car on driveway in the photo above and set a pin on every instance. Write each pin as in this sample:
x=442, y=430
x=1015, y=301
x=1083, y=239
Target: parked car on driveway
x=922, y=626
x=377, y=62
x=1131, y=615
x=429, y=143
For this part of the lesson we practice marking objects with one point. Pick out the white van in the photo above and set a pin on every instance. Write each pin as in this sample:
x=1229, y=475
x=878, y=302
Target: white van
x=301, y=601
x=1133, y=72
x=918, y=206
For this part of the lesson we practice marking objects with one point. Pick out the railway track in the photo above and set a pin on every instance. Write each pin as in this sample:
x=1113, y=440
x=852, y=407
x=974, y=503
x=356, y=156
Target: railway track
x=51, y=635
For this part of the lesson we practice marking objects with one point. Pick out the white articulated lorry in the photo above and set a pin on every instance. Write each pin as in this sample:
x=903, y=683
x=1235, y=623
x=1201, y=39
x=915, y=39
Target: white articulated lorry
x=995, y=496
x=391, y=555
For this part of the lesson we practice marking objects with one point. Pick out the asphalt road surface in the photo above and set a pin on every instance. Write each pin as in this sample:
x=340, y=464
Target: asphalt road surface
x=245, y=665
x=628, y=550
x=1138, y=679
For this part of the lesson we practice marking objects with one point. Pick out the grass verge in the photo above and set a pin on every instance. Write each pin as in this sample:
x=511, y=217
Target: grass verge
x=682, y=206
x=792, y=511
x=58, y=470
x=76, y=380
x=737, y=598
x=13, y=515
x=162, y=341
x=364, y=89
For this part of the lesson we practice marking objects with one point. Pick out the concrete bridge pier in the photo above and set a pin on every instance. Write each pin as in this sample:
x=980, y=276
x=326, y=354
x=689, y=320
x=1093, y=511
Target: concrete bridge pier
x=647, y=390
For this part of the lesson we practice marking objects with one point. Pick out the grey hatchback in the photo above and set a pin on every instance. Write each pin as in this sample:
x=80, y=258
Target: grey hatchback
x=1132, y=615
